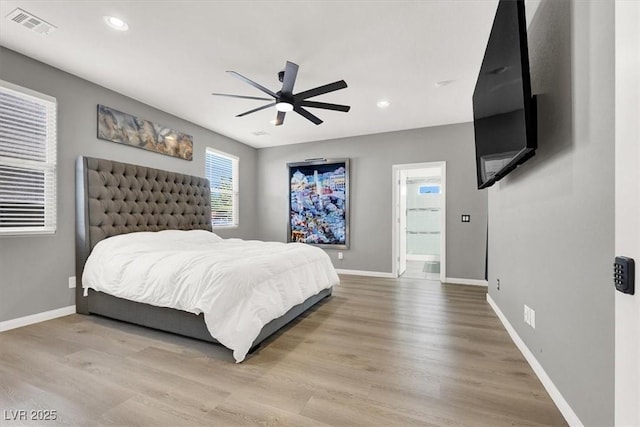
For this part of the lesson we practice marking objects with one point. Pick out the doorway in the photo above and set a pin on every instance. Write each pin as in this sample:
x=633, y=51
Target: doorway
x=419, y=223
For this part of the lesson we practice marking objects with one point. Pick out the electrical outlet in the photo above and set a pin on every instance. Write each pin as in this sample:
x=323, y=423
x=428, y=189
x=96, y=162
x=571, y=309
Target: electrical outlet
x=340, y=255
x=532, y=318
x=529, y=316
x=72, y=282
x=498, y=284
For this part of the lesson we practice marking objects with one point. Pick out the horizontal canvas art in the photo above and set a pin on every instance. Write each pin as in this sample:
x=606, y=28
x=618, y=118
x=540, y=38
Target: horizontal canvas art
x=319, y=203
x=116, y=126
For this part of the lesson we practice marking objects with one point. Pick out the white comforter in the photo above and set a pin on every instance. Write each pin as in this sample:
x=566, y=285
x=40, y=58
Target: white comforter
x=239, y=285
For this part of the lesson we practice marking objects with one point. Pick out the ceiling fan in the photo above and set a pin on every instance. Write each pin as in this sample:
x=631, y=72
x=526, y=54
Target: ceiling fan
x=285, y=100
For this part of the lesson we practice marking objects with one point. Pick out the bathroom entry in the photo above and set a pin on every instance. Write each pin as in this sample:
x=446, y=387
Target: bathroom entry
x=420, y=220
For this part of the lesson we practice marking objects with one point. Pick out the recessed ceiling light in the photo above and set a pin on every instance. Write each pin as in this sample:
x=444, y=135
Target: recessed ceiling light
x=383, y=103
x=116, y=23
x=444, y=83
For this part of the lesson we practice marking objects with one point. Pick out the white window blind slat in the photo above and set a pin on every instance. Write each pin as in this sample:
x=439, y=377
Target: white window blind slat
x=9, y=110
x=27, y=161
x=221, y=170
x=23, y=125
x=24, y=134
x=35, y=148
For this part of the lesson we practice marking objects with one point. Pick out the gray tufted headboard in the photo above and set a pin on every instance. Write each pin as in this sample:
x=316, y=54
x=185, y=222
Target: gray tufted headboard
x=116, y=198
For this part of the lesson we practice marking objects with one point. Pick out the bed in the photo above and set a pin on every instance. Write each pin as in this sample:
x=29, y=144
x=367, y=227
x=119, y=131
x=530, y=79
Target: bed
x=116, y=199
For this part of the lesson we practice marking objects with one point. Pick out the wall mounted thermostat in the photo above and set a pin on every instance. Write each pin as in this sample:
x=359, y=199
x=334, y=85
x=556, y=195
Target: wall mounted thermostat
x=624, y=274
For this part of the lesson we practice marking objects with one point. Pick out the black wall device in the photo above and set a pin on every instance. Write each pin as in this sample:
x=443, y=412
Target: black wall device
x=624, y=273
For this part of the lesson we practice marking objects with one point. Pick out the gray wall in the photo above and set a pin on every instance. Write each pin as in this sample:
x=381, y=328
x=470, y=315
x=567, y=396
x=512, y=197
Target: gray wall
x=34, y=270
x=372, y=157
x=551, y=222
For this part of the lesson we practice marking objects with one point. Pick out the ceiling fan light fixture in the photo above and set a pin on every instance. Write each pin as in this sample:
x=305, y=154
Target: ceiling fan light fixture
x=284, y=106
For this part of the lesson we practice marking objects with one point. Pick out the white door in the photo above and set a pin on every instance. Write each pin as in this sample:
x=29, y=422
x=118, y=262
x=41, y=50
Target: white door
x=402, y=220
x=627, y=207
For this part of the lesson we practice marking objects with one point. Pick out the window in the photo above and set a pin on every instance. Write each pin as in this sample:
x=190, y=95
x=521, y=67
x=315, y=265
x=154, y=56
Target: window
x=429, y=189
x=27, y=161
x=221, y=170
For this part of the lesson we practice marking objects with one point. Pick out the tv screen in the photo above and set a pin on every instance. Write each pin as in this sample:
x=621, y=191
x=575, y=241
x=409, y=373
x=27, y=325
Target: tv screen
x=504, y=112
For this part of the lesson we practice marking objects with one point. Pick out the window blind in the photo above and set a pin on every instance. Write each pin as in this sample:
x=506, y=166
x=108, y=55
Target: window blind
x=221, y=170
x=27, y=161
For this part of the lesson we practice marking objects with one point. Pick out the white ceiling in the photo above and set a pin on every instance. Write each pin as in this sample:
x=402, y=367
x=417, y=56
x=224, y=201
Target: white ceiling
x=176, y=53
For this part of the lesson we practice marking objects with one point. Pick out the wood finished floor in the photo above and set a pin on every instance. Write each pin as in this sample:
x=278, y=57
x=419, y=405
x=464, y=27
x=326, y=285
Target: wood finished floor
x=380, y=352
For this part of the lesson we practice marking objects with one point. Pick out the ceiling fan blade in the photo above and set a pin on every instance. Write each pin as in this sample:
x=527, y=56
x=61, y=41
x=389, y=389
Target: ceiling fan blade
x=252, y=83
x=335, y=107
x=256, y=109
x=307, y=115
x=290, y=73
x=280, y=118
x=242, y=96
x=320, y=90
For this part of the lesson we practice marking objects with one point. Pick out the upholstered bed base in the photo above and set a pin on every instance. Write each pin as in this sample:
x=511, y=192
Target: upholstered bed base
x=115, y=198
x=182, y=322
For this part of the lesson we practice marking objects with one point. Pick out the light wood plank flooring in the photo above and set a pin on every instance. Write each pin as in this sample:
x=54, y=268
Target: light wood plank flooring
x=380, y=352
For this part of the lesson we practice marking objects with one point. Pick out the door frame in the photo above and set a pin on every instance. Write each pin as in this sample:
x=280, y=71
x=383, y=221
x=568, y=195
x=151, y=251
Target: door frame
x=395, y=220
x=627, y=209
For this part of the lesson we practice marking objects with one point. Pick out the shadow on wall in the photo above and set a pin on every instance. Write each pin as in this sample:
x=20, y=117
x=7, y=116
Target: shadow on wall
x=549, y=39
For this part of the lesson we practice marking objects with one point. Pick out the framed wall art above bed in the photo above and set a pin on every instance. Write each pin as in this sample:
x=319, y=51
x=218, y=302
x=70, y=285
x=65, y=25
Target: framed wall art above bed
x=123, y=128
x=319, y=203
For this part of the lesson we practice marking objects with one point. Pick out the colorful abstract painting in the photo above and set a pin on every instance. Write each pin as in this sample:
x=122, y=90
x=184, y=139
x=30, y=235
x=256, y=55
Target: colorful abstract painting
x=116, y=126
x=319, y=203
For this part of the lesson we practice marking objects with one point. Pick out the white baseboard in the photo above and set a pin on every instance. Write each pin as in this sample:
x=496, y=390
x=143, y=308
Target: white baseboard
x=36, y=318
x=473, y=282
x=366, y=273
x=568, y=414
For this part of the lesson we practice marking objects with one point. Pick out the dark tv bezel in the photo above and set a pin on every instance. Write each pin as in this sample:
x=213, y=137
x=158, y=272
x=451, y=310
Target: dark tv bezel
x=529, y=101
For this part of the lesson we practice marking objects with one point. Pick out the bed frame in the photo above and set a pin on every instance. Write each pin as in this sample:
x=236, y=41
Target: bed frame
x=116, y=198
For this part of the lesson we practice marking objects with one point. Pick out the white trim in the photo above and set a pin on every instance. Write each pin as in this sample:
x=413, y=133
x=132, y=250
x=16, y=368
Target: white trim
x=30, y=92
x=36, y=318
x=366, y=273
x=443, y=225
x=473, y=282
x=395, y=250
x=627, y=209
x=235, y=191
x=28, y=159
x=568, y=414
x=224, y=227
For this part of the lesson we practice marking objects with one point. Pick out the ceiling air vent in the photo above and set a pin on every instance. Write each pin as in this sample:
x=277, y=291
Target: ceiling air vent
x=30, y=22
x=260, y=133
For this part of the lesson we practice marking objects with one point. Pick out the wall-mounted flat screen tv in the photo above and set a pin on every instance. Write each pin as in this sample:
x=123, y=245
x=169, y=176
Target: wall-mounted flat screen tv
x=504, y=111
